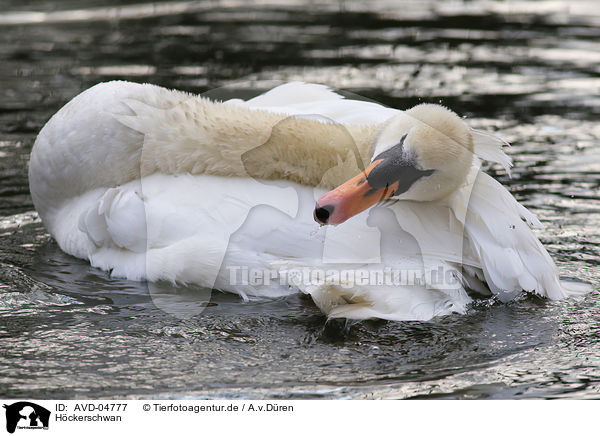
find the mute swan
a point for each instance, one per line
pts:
(153, 184)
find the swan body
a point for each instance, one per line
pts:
(160, 185)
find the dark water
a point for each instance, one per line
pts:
(528, 70)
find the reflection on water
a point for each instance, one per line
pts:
(528, 70)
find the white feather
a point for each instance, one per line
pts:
(489, 147)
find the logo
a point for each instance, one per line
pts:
(26, 415)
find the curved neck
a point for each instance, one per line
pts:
(199, 136)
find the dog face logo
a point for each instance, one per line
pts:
(26, 415)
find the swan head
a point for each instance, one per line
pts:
(422, 154)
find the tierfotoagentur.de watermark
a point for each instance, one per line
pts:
(344, 277)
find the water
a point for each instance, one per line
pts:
(528, 70)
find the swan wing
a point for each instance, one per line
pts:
(173, 228)
(498, 233)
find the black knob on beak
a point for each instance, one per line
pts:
(322, 213)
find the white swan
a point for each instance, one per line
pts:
(153, 184)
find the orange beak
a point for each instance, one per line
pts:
(351, 198)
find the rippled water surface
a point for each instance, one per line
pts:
(527, 70)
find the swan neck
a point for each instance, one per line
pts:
(205, 137)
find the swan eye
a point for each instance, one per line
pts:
(395, 166)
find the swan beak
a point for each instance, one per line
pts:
(351, 198)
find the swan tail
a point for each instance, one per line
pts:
(294, 93)
(299, 98)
